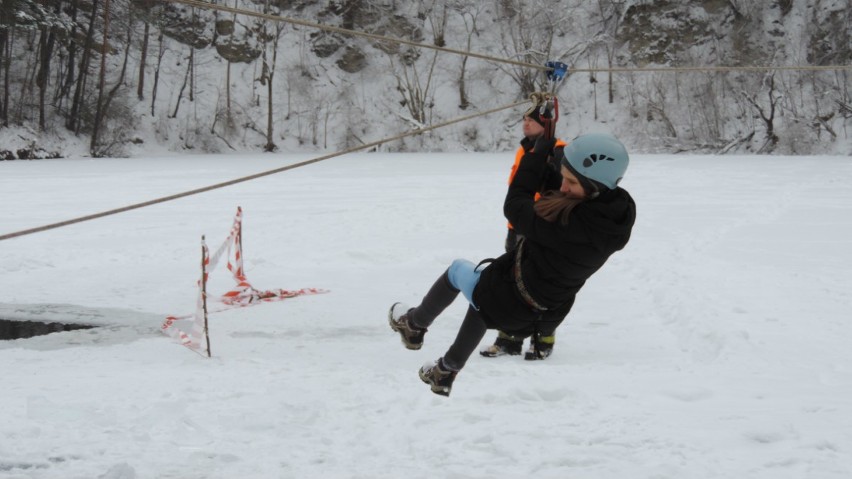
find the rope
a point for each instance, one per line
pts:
(164, 199)
(713, 69)
(371, 36)
(382, 38)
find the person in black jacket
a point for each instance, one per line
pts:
(568, 235)
(507, 343)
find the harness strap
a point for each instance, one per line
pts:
(519, 281)
(485, 261)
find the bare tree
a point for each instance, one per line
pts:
(437, 15)
(64, 90)
(47, 41)
(189, 76)
(186, 80)
(766, 111)
(469, 14)
(658, 106)
(5, 59)
(270, 37)
(415, 88)
(611, 13)
(527, 33)
(74, 122)
(161, 51)
(6, 56)
(99, 110)
(593, 80)
(119, 138)
(229, 114)
(143, 58)
(709, 108)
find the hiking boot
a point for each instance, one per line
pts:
(503, 345)
(400, 321)
(540, 349)
(438, 377)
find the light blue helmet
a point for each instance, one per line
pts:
(597, 156)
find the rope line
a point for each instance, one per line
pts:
(164, 199)
(371, 36)
(382, 38)
(714, 69)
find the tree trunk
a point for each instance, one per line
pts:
(463, 101)
(160, 52)
(182, 89)
(228, 90)
(5, 59)
(111, 95)
(610, 87)
(46, 42)
(65, 88)
(191, 73)
(74, 122)
(6, 55)
(99, 113)
(270, 140)
(143, 57)
(351, 9)
(192, 65)
(267, 76)
(42, 75)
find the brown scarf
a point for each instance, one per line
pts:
(554, 205)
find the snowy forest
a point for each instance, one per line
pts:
(121, 77)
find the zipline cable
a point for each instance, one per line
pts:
(164, 199)
(382, 38)
(717, 69)
(329, 28)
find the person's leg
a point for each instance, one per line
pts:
(470, 334)
(412, 323)
(541, 346)
(440, 375)
(464, 276)
(505, 343)
(437, 299)
(542, 343)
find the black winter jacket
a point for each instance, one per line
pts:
(557, 258)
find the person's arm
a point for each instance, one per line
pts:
(519, 204)
(552, 177)
(520, 199)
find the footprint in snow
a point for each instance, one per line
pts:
(689, 394)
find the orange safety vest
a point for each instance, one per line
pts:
(520, 154)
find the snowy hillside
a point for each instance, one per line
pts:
(181, 78)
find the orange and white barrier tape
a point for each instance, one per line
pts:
(244, 294)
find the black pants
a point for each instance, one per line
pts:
(472, 329)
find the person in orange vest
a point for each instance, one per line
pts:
(533, 127)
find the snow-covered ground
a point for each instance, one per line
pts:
(716, 345)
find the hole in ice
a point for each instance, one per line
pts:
(12, 329)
